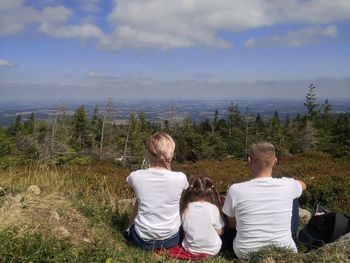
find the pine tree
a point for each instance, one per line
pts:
(188, 145)
(324, 130)
(236, 138)
(29, 125)
(276, 135)
(340, 140)
(257, 129)
(135, 145)
(17, 126)
(311, 103)
(6, 145)
(234, 118)
(309, 136)
(80, 126)
(61, 132)
(310, 130)
(215, 120)
(326, 115)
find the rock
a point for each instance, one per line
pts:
(62, 231)
(34, 190)
(86, 240)
(304, 215)
(19, 198)
(345, 237)
(55, 215)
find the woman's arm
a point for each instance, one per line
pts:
(133, 213)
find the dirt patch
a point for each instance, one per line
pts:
(50, 214)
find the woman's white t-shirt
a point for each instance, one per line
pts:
(158, 193)
(200, 222)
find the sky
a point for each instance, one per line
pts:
(164, 49)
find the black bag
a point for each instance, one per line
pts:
(324, 227)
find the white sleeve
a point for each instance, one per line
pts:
(297, 189)
(218, 222)
(185, 182)
(129, 179)
(294, 186)
(229, 206)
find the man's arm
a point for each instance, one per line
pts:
(303, 185)
(231, 222)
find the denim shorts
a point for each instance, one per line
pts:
(151, 245)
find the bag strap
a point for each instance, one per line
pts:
(340, 226)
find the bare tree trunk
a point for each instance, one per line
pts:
(246, 138)
(126, 144)
(80, 141)
(102, 134)
(53, 133)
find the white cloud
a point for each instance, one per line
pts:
(184, 23)
(250, 43)
(90, 6)
(305, 36)
(84, 31)
(168, 24)
(7, 64)
(55, 14)
(15, 16)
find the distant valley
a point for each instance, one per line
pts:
(160, 110)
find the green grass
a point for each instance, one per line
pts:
(92, 191)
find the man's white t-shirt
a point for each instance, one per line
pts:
(158, 193)
(200, 222)
(263, 211)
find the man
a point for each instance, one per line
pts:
(261, 209)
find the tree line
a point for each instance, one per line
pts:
(101, 137)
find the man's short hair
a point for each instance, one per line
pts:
(263, 155)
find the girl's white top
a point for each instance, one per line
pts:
(200, 222)
(158, 192)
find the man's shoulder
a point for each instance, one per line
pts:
(286, 180)
(240, 186)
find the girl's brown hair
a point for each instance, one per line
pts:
(201, 188)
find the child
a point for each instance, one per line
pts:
(155, 220)
(201, 219)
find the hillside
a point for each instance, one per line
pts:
(77, 212)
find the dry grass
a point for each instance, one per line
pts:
(77, 217)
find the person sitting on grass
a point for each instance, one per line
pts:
(201, 220)
(261, 209)
(155, 220)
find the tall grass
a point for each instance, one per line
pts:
(95, 189)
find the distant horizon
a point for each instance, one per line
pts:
(134, 90)
(163, 100)
(156, 49)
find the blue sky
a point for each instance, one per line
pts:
(94, 49)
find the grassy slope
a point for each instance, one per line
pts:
(94, 190)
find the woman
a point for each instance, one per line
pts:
(155, 220)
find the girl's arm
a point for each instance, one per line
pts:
(220, 231)
(133, 213)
